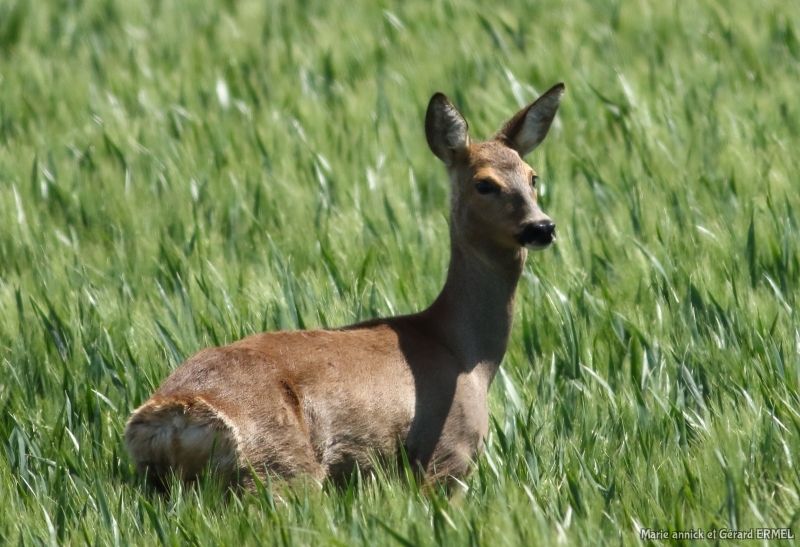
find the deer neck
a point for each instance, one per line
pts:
(474, 312)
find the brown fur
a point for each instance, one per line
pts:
(321, 402)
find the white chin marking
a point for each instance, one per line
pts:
(537, 246)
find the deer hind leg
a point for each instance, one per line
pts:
(276, 441)
(185, 436)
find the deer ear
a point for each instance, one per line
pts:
(445, 129)
(528, 128)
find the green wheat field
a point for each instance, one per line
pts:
(180, 174)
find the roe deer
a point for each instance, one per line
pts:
(322, 402)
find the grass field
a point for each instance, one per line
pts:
(179, 174)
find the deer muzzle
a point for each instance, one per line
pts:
(537, 235)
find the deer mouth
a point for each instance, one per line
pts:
(539, 246)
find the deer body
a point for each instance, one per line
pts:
(322, 402)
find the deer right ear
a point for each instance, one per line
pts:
(528, 128)
(445, 129)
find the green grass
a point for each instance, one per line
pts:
(175, 175)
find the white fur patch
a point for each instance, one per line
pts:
(183, 437)
(539, 246)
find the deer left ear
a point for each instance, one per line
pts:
(445, 129)
(528, 128)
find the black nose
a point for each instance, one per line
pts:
(540, 233)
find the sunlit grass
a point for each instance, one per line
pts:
(175, 175)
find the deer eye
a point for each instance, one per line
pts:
(486, 187)
(534, 178)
